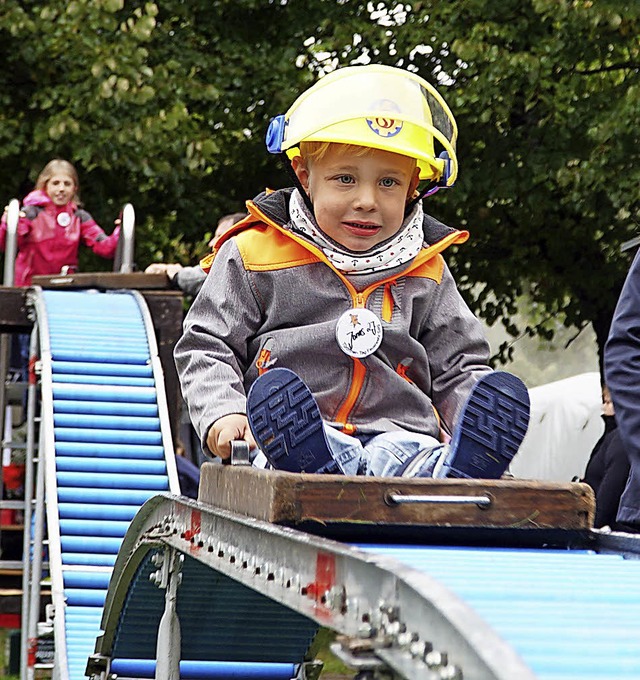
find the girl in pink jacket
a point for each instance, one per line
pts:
(52, 225)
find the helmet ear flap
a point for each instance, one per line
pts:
(275, 134)
(447, 169)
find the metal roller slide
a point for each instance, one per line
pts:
(104, 448)
(414, 612)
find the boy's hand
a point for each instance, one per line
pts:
(227, 429)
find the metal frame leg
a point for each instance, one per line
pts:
(169, 576)
(28, 501)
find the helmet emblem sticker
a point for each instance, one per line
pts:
(385, 126)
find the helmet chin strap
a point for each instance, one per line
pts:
(430, 189)
(298, 184)
(434, 184)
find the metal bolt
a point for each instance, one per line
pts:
(436, 659)
(365, 631)
(451, 672)
(395, 628)
(405, 639)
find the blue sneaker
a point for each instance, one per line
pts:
(285, 422)
(490, 429)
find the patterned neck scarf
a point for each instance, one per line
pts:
(400, 248)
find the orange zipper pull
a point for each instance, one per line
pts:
(403, 367)
(387, 301)
(264, 361)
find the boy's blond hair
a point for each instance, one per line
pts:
(315, 151)
(59, 166)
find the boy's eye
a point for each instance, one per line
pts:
(388, 182)
(345, 179)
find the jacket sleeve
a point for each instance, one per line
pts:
(190, 279)
(24, 227)
(457, 350)
(211, 356)
(94, 237)
(622, 362)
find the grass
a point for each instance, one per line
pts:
(4, 660)
(320, 650)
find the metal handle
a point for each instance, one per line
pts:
(124, 260)
(396, 498)
(13, 215)
(239, 454)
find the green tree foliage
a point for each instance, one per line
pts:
(166, 105)
(547, 96)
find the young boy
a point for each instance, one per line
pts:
(330, 332)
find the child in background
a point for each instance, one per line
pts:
(50, 228)
(52, 225)
(190, 279)
(330, 332)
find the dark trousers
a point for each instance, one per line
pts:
(607, 474)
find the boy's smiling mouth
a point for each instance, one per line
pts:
(362, 227)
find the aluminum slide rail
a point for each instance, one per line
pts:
(104, 448)
(250, 590)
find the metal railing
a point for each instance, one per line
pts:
(123, 261)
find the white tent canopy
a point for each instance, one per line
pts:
(565, 425)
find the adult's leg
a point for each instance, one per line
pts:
(607, 473)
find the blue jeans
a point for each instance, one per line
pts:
(378, 455)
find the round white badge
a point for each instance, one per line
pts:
(64, 219)
(359, 332)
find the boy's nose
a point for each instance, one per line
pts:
(365, 198)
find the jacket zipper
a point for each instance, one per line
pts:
(359, 300)
(387, 301)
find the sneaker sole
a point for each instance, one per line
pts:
(492, 426)
(285, 421)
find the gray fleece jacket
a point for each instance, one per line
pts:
(272, 298)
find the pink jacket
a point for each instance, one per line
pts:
(49, 237)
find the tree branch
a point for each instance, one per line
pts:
(613, 67)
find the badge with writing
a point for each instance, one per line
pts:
(64, 219)
(359, 332)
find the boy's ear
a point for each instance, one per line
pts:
(413, 184)
(302, 173)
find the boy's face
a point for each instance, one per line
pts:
(359, 201)
(61, 188)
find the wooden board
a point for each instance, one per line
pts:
(104, 280)
(14, 314)
(292, 499)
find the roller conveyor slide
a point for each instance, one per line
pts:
(106, 448)
(146, 584)
(257, 591)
